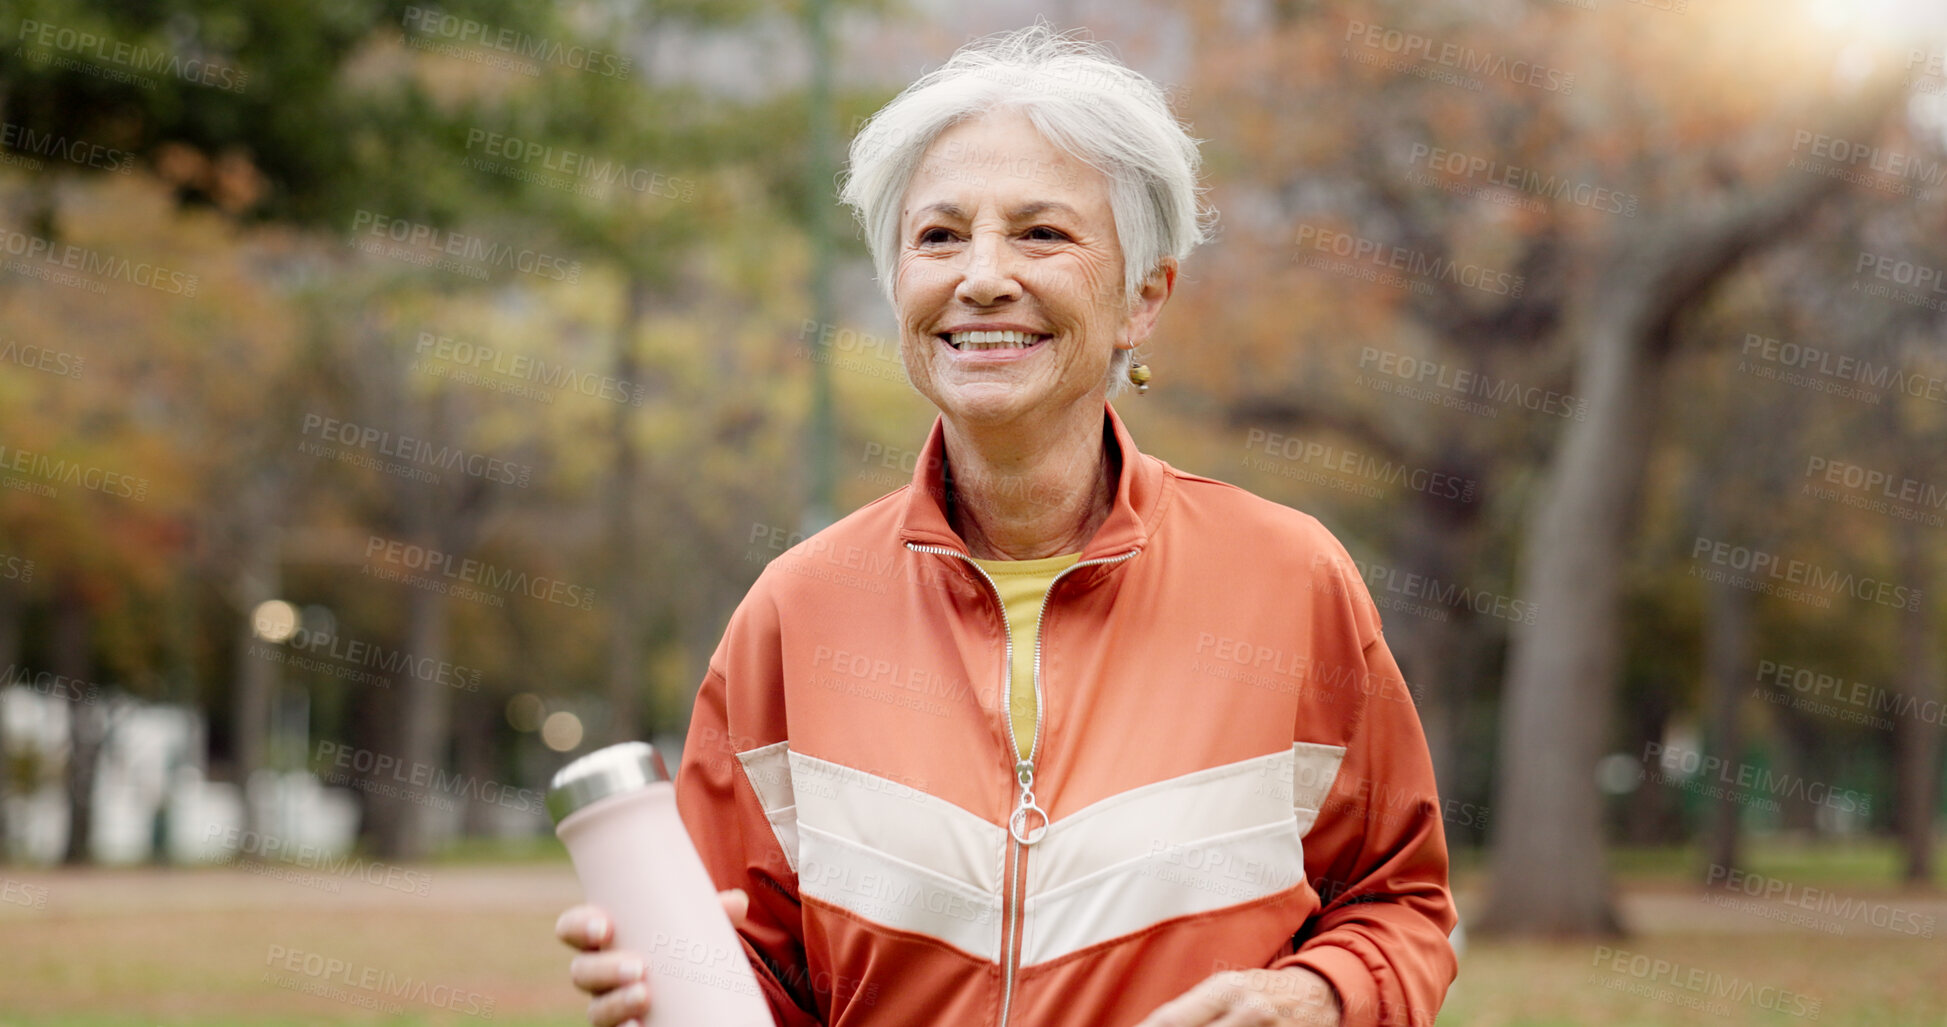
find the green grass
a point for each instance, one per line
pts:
(151, 947)
(1870, 864)
(1863, 981)
(539, 849)
(1865, 864)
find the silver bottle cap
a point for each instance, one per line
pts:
(619, 768)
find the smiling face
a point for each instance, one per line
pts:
(1009, 279)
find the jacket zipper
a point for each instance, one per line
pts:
(1011, 893)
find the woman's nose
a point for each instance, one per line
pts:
(988, 276)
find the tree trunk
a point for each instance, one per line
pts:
(428, 714)
(10, 661)
(259, 579)
(473, 754)
(71, 656)
(374, 729)
(401, 801)
(1425, 655)
(1650, 816)
(1798, 752)
(1727, 664)
(1434, 544)
(410, 724)
(1547, 874)
(1916, 739)
(626, 586)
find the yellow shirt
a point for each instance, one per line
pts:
(1023, 584)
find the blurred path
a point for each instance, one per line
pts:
(121, 892)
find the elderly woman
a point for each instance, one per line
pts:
(1056, 734)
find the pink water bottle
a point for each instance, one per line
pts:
(615, 810)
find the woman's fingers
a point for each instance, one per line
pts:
(619, 981)
(599, 973)
(736, 905)
(586, 928)
(620, 1006)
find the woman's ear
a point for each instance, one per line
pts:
(1150, 297)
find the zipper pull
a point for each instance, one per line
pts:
(1017, 825)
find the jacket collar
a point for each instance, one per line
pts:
(1138, 495)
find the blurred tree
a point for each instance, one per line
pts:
(247, 107)
(1587, 262)
(1548, 868)
(330, 116)
(1913, 447)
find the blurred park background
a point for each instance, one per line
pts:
(395, 400)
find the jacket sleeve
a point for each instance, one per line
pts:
(734, 794)
(1377, 855)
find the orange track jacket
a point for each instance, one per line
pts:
(1227, 773)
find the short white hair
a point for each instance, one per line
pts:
(1082, 100)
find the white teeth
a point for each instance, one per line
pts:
(992, 340)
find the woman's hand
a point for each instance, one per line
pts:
(618, 980)
(1291, 997)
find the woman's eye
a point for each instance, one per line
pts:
(933, 235)
(1042, 233)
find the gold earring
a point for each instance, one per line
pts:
(1139, 377)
